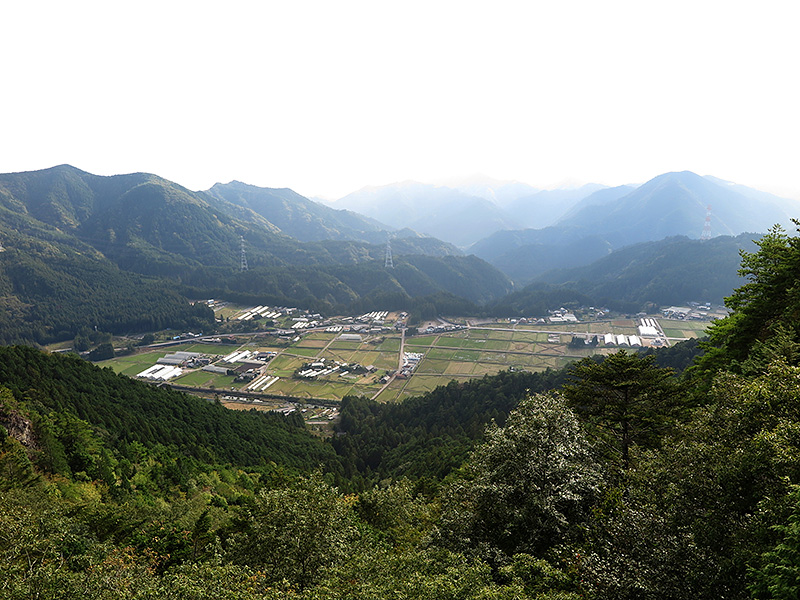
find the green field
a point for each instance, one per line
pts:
(458, 355)
(133, 364)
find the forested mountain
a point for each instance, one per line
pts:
(673, 204)
(535, 252)
(117, 252)
(671, 271)
(644, 276)
(299, 217)
(126, 412)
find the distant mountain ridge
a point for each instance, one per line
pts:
(643, 276)
(672, 204)
(299, 217)
(441, 212)
(466, 212)
(676, 204)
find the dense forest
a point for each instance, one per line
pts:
(130, 253)
(629, 476)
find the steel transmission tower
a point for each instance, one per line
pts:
(706, 235)
(244, 254)
(389, 264)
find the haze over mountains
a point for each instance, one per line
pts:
(673, 204)
(669, 204)
(76, 245)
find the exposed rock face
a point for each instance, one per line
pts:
(19, 428)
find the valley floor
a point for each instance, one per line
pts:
(313, 368)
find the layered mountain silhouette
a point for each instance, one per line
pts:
(673, 204)
(442, 212)
(301, 218)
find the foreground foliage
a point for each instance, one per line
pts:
(628, 482)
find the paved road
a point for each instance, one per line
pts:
(399, 364)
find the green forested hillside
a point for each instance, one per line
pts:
(118, 252)
(51, 298)
(299, 217)
(670, 271)
(125, 412)
(640, 277)
(429, 436)
(618, 478)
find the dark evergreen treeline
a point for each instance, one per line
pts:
(429, 436)
(666, 272)
(127, 411)
(536, 299)
(641, 277)
(52, 298)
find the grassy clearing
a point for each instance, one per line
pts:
(132, 364)
(440, 354)
(391, 344)
(344, 345)
(307, 343)
(432, 366)
(419, 384)
(199, 379)
(307, 352)
(285, 366)
(423, 340)
(455, 368)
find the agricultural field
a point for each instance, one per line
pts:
(459, 355)
(683, 329)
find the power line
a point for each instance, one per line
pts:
(706, 235)
(388, 263)
(244, 254)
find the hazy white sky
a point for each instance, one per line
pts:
(326, 97)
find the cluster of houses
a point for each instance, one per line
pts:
(378, 316)
(261, 383)
(648, 328)
(303, 323)
(321, 368)
(247, 355)
(443, 328)
(191, 360)
(694, 312)
(633, 341)
(171, 365)
(410, 363)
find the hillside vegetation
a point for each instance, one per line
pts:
(126, 254)
(618, 477)
(644, 276)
